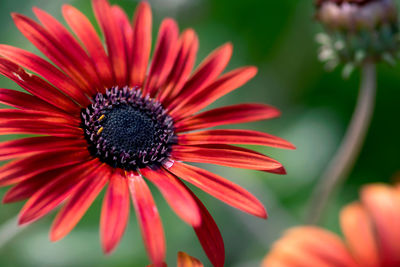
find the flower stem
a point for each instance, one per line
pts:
(345, 157)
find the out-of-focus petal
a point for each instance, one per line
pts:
(185, 260)
(358, 230)
(142, 24)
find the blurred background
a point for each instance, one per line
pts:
(278, 38)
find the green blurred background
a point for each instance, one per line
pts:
(277, 37)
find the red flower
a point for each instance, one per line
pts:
(106, 118)
(371, 229)
(185, 260)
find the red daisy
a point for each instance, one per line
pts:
(104, 117)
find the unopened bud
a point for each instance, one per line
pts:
(358, 30)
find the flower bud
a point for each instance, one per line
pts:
(358, 31)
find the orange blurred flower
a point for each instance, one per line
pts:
(185, 260)
(371, 236)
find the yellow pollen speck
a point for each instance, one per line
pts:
(100, 130)
(101, 117)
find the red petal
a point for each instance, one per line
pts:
(163, 58)
(176, 195)
(209, 236)
(148, 217)
(114, 40)
(9, 115)
(184, 62)
(71, 49)
(184, 260)
(29, 187)
(383, 204)
(115, 212)
(358, 229)
(142, 24)
(25, 101)
(51, 195)
(22, 169)
(217, 89)
(243, 137)
(208, 71)
(79, 202)
(27, 126)
(36, 85)
(54, 50)
(226, 156)
(227, 115)
(220, 188)
(127, 32)
(86, 33)
(26, 146)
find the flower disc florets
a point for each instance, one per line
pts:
(127, 130)
(358, 30)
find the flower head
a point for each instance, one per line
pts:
(109, 117)
(358, 31)
(371, 232)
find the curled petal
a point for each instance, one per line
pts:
(220, 188)
(184, 260)
(176, 195)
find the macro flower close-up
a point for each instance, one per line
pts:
(119, 118)
(370, 229)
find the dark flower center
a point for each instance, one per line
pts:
(128, 131)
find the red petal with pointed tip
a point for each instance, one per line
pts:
(23, 147)
(25, 101)
(176, 195)
(243, 137)
(79, 202)
(208, 71)
(142, 24)
(115, 212)
(217, 89)
(184, 62)
(227, 115)
(114, 40)
(29, 187)
(383, 204)
(148, 217)
(86, 33)
(209, 236)
(220, 188)
(163, 58)
(35, 85)
(54, 50)
(72, 49)
(22, 169)
(51, 195)
(226, 156)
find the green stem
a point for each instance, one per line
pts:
(9, 230)
(346, 156)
